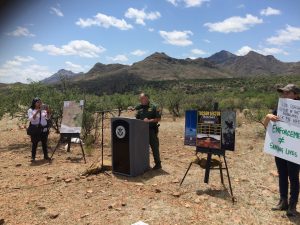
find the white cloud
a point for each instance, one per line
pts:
(207, 41)
(234, 24)
(150, 29)
(105, 21)
(244, 50)
(178, 38)
(118, 58)
(188, 3)
(270, 11)
(272, 51)
(138, 52)
(173, 2)
(287, 35)
(21, 31)
(140, 15)
(80, 48)
(17, 61)
(194, 3)
(35, 72)
(19, 70)
(24, 59)
(56, 11)
(76, 68)
(196, 51)
(264, 51)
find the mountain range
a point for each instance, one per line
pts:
(160, 66)
(61, 74)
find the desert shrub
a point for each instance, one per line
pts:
(173, 101)
(89, 140)
(255, 115)
(231, 103)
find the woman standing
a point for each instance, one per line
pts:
(38, 117)
(287, 171)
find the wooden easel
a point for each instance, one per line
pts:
(66, 137)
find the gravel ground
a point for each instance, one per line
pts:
(56, 193)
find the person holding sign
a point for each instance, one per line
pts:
(288, 171)
(38, 115)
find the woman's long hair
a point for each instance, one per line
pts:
(35, 100)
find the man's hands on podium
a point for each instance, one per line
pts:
(155, 120)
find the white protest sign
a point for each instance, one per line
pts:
(289, 111)
(283, 140)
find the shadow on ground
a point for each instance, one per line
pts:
(16, 147)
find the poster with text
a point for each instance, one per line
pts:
(228, 119)
(289, 111)
(209, 130)
(190, 133)
(283, 140)
(72, 117)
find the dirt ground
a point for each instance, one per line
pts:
(55, 193)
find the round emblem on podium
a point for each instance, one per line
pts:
(120, 132)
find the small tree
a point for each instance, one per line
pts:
(255, 115)
(121, 102)
(173, 100)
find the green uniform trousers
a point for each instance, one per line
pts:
(154, 144)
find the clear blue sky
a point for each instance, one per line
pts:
(37, 38)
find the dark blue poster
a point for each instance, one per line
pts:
(228, 130)
(190, 127)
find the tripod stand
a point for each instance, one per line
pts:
(209, 167)
(68, 137)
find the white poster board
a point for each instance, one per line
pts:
(283, 140)
(283, 137)
(289, 111)
(72, 117)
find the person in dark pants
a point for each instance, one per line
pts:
(150, 114)
(288, 171)
(38, 117)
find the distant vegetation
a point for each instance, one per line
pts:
(255, 94)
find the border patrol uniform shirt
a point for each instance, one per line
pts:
(149, 111)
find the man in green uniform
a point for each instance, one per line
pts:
(150, 114)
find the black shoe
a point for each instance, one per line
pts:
(292, 211)
(47, 158)
(281, 206)
(157, 167)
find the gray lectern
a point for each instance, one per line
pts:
(130, 146)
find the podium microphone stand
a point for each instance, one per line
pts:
(103, 167)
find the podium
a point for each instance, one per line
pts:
(130, 146)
